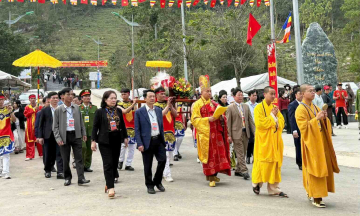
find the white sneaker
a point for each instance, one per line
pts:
(168, 179)
(7, 176)
(197, 160)
(27, 159)
(338, 127)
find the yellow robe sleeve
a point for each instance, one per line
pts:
(281, 121)
(202, 126)
(313, 152)
(262, 122)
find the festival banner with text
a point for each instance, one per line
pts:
(84, 64)
(272, 69)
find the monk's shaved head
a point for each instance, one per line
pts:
(267, 89)
(304, 87)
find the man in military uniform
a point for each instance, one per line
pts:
(87, 112)
(128, 108)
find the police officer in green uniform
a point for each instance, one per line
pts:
(88, 112)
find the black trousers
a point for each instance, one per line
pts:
(250, 148)
(49, 153)
(287, 122)
(110, 156)
(297, 142)
(156, 149)
(76, 144)
(341, 112)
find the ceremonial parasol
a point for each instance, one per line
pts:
(37, 59)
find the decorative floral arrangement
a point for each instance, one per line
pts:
(182, 88)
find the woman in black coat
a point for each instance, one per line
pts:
(109, 132)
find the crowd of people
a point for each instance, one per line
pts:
(66, 122)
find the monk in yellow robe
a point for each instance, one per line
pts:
(211, 135)
(318, 155)
(269, 146)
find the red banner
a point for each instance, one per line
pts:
(271, 49)
(84, 63)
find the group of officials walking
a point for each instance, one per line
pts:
(116, 126)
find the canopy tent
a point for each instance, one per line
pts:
(10, 80)
(259, 81)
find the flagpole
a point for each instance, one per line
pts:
(299, 60)
(184, 40)
(133, 56)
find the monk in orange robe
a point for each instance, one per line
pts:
(211, 135)
(318, 155)
(30, 114)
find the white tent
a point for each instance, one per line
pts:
(10, 80)
(353, 86)
(25, 74)
(259, 81)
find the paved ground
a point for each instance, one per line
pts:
(29, 193)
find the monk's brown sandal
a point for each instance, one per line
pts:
(256, 190)
(282, 195)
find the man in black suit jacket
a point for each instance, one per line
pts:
(149, 135)
(47, 139)
(294, 128)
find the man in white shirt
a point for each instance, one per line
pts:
(318, 101)
(252, 104)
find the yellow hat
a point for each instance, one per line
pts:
(204, 81)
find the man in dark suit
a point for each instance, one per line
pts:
(149, 134)
(294, 128)
(46, 103)
(47, 139)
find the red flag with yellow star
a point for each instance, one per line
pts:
(162, 3)
(229, 2)
(253, 28)
(179, 3)
(258, 3)
(124, 3)
(196, 2)
(213, 3)
(243, 2)
(84, 2)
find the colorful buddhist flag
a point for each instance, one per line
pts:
(188, 3)
(72, 2)
(131, 62)
(236, 3)
(162, 3)
(267, 2)
(251, 3)
(30, 1)
(93, 2)
(212, 3)
(253, 28)
(287, 28)
(196, 2)
(54, 1)
(134, 3)
(222, 2)
(124, 3)
(206, 2)
(113, 2)
(10, 0)
(171, 3)
(152, 3)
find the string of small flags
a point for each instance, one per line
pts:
(135, 3)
